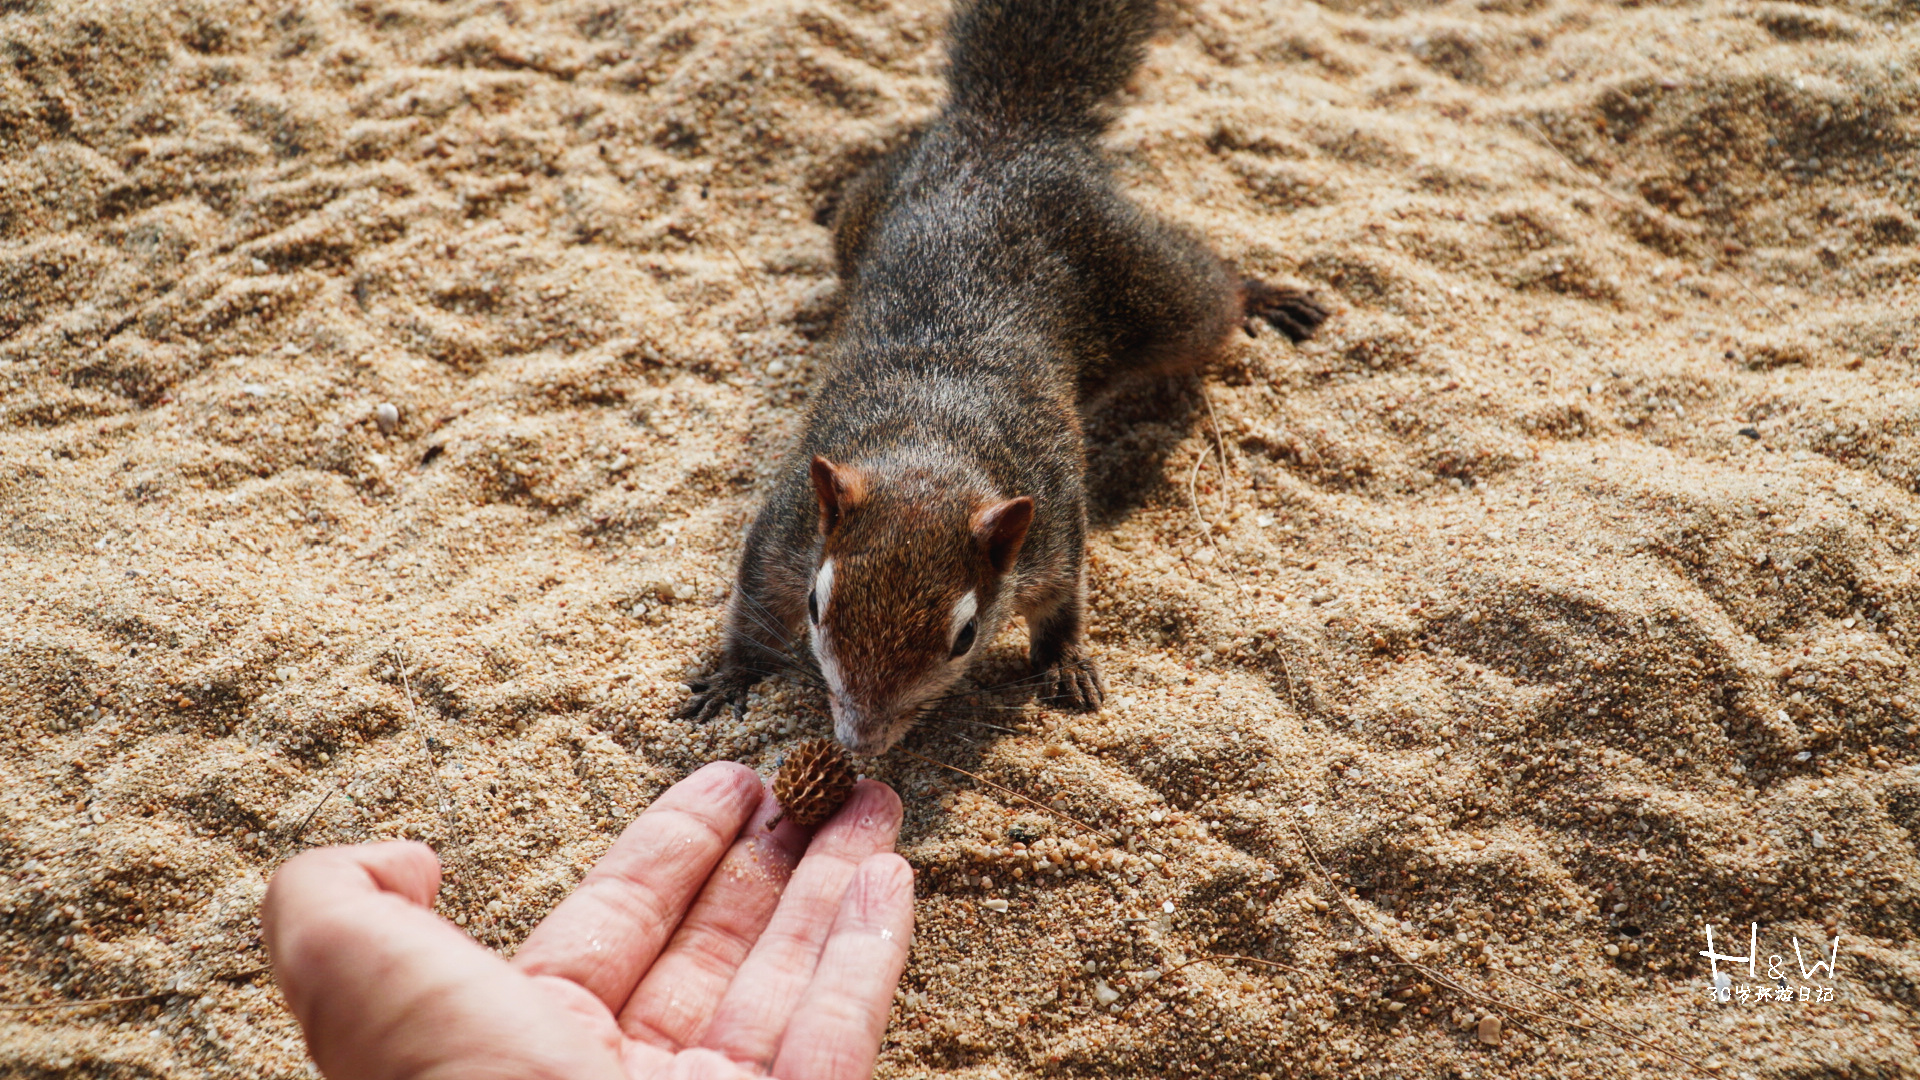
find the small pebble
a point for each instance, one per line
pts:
(996, 905)
(387, 416)
(1489, 1030)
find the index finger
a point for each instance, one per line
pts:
(606, 935)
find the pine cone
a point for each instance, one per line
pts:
(815, 780)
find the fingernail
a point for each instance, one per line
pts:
(872, 806)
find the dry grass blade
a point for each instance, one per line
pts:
(426, 749)
(1193, 498)
(1610, 1025)
(766, 315)
(1206, 527)
(1603, 189)
(1405, 961)
(1234, 958)
(130, 999)
(1219, 443)
(294, 840)
(1004, 790)
(1206, 533)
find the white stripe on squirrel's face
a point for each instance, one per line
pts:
(817, 636)
(822, 589)
(963, 610)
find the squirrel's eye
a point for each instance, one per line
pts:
(813, 606)
(963, 642)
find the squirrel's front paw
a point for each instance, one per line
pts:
(1293, 312)
(717, 691)
(1077, 684)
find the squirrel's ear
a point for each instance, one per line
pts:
(840, 489)
(1000, 529)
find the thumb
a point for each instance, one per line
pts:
(406, 868)
(386, 990)
(317, 899)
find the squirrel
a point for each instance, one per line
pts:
(996, 283)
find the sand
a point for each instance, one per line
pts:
(1559, 600)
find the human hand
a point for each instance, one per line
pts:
(701, 946)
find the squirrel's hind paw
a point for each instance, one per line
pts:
(1293, 312)
(1077, 684)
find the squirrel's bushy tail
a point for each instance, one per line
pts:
(1045, 63)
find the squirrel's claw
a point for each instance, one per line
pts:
(1291, 311)
(714, 693)
(1078, 685)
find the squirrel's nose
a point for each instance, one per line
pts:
(858, 729)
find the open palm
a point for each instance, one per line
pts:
(702, 945)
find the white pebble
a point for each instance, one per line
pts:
(387, 416)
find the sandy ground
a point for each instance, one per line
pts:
(1560, 600)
